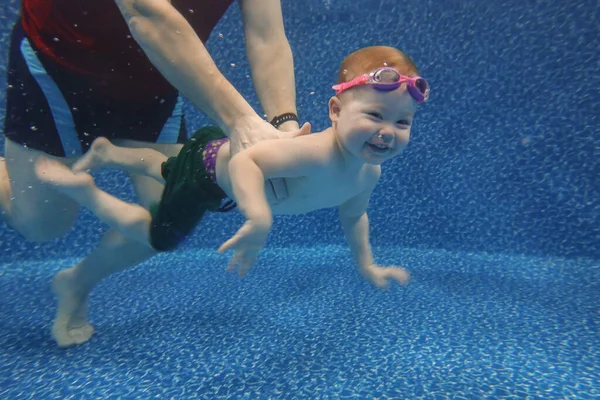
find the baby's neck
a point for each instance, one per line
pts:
(351, 162)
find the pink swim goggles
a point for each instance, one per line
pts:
(386, 79)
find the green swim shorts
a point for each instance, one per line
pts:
(189, 192)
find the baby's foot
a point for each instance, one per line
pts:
(96, 157)
(61, 177)
(71, 326)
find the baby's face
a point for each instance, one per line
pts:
(374, 125)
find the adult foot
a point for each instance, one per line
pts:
(96, 157)
(5, 191)
(70, 327)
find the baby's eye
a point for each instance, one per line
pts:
(375, 114)
(403, 122)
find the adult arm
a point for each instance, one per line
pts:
(177, 52)
(175, 49)
(270, 57)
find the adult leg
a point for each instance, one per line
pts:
(35, 210)
(113, 254)
(4, 191)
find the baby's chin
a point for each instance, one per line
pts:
(377, 156)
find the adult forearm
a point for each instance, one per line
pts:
(272, 66)
(177, 52)
(356, 230)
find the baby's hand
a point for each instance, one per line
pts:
(246, 244)
(380, 276)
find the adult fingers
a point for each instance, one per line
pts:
(304, 130)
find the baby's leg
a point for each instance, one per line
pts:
(132, 220)
(141, 161)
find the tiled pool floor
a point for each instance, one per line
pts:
(305, 325)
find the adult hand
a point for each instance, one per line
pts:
(251, 130)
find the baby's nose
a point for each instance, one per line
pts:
(384, 137)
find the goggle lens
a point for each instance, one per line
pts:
(386, 76)
(422, 85)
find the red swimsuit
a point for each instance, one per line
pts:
(92, 38)
(75, 73)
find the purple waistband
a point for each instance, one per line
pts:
(209, 156)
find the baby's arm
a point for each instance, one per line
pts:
(355, 222)
(247, 181)
(248, 171)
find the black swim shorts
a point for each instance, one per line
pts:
(189, 193)
(61, 112)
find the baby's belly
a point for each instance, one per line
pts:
(302, 196)
(278, 206)
(307, 199)
(293, 206)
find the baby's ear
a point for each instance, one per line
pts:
(335, 106)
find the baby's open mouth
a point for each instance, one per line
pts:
(378, 148)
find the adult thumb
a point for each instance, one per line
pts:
(304, 130)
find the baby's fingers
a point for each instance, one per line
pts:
(233, 262)
(228, 245)
(242, 262)
(246, 262)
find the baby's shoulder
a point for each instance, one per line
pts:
(368, 177)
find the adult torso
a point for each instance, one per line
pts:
(91, 39)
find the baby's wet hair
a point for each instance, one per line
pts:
(367, 59)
